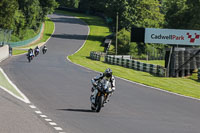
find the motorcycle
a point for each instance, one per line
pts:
(30, 57)
(103, 89)
(44, 50)
(36, 52)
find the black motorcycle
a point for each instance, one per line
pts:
(44, 50)
(30, 57)
(36, 52)
(103, 89)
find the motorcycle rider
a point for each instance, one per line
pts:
(30, 52)
(44, 49)
(108, 75)
(37, 50)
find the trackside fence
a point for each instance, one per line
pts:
(129, 63)
(96, 55)
(25, 42)
(126, 61)
(199, 74)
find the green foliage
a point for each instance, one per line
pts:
(148, 14)
(23, 16)
(7, 13)
(48, 7)
(182, 86)
(182, 14)
(69, 3)
(123, 38)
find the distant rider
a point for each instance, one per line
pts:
(30, 52)
(37, 50)
(108, 75)
(44, 49)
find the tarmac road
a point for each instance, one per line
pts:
(62, 89)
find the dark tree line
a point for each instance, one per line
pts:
(176, 14)
(20, 15)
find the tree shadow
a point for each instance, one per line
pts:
(77, 37)
(77, 110)
(69, 36)
(70, 20)
(74, 20)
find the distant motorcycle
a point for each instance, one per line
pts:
(44, 50)
(30, 57)
(36, 52)
(103, 89)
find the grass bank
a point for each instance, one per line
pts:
(4, 83)
(48, 30)
(98, 30)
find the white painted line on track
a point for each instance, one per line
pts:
(24, 98)
(43, 116)
(32, 106)
(58, 128)
(48, 120)
(38, 112)
(52, 123)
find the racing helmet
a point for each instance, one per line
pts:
(108, 73)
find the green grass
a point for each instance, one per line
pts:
(18, 52)
(155, 62)
(29, 33)
(4, 83)
(48, 30)
(98, 30)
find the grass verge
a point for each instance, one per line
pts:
(98, 30)
(48, 30)
(155, 62)
(4, 83)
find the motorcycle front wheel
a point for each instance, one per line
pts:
(99, 103)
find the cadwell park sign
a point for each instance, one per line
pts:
(166, 36)
(171, 36)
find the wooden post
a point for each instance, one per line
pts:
(181, 62)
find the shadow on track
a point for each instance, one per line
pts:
(77, 110)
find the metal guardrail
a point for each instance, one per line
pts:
(5, 36)
(128, 63)
(97, 55)
(25, 42)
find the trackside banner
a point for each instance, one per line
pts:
(172, 36)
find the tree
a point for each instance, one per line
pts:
(123, 42)
(31, 11)
(175, 14)
(48, 7)
(8, 9)
(69, 3)
(193, 11)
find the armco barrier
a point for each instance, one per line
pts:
(128, 63)
(4, 52)
(96, 55)
(25, 42)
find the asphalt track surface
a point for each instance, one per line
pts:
(61, 89)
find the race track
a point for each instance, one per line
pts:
(61, 89)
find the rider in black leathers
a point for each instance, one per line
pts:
(107, 74)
